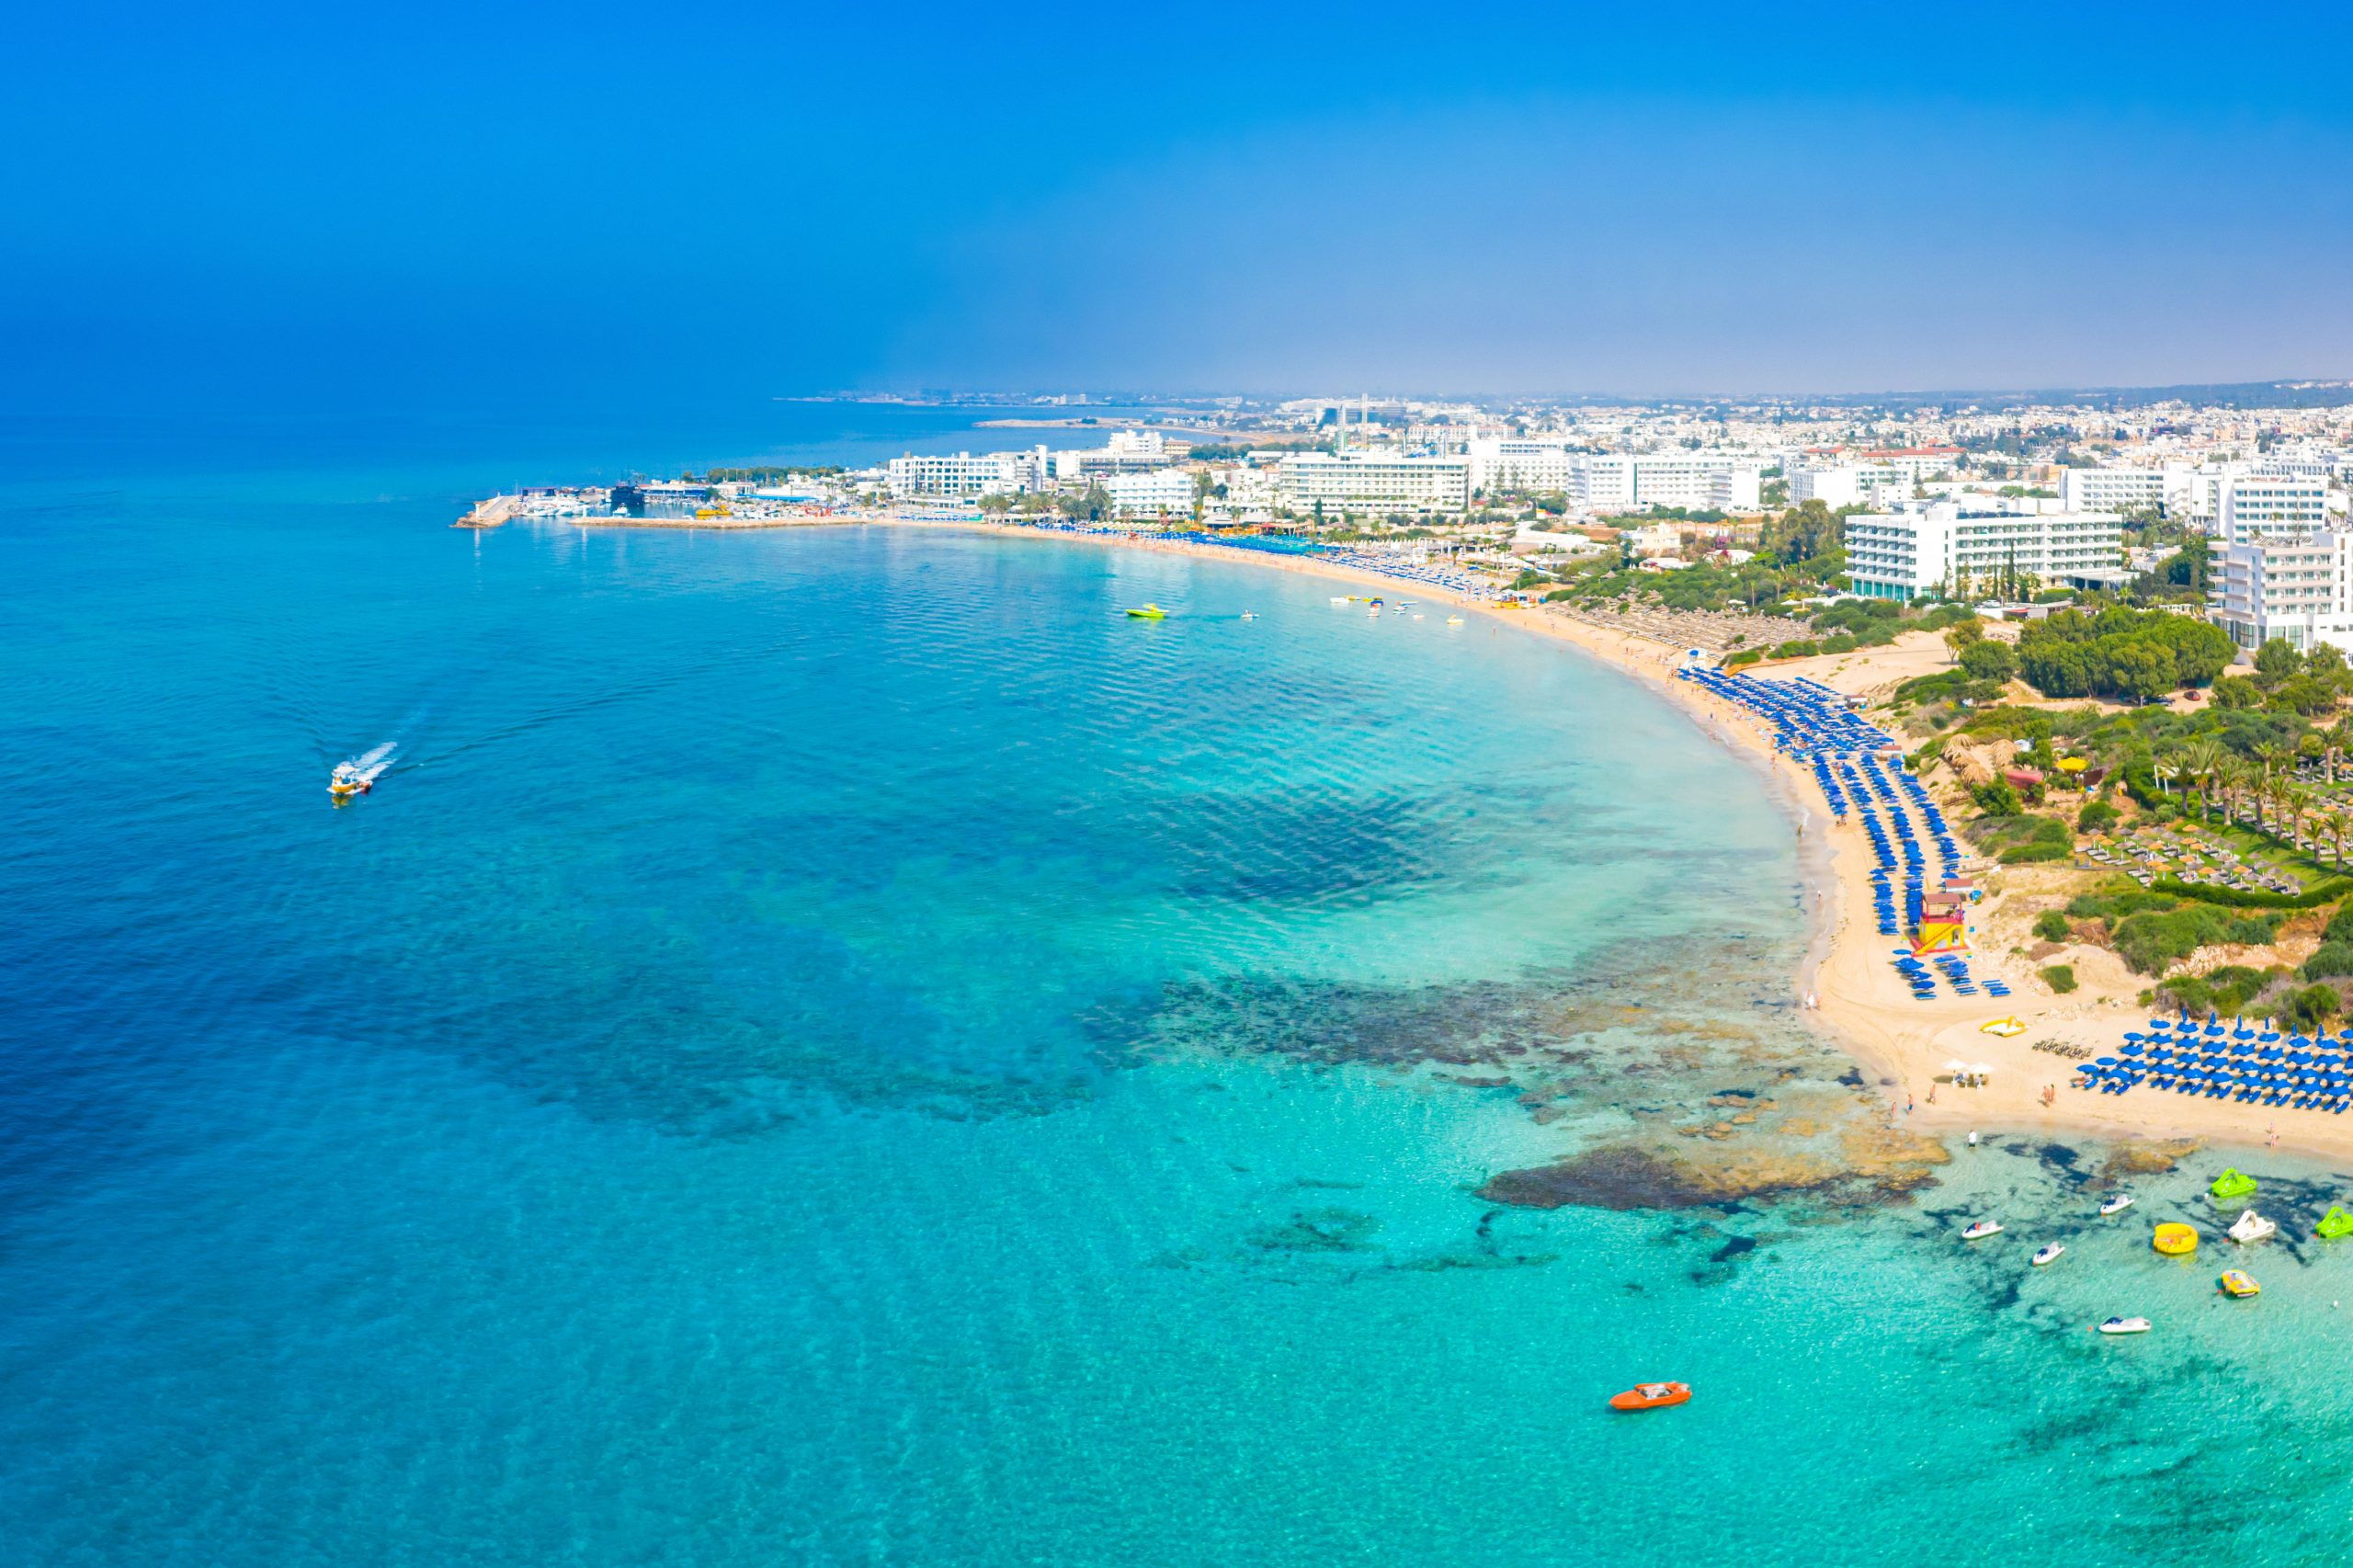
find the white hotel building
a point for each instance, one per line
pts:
(2291, 587)
(1939, 546)
(945, 477)
(1372, 481)
(1163, 493)
(1623, 482)
(2112, 489)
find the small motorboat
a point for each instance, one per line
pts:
(2125, 1325)
(2047, 1254)
(1454, 620)
(1148, 612)
(2238, 1284)
(347, 782)
(1980, 1229)
(1343, 598)
(2174, 1241)
(1249, 615)
(1651, 1396)
(2115, 1205)
(2252, 1227)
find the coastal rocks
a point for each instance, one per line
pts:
(2152, 1157)
(1869, 1165)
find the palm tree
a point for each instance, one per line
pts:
(2230, 776)
(2296, 802)
(2332, 824)
(2202, 759)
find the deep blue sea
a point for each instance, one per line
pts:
(838, 1046)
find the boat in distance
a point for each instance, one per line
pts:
(2115, 1205)
(1981, 1229)
(2048, 1254)
(2125, 1325)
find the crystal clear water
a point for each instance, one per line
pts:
(839, 1046)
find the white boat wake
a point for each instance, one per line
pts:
(369, 766)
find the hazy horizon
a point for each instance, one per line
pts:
(275, 208)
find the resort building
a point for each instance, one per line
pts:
(1372, 481)
(1944, 548)
(1616, 481)
(911, 477)
(1163, 493)
(1535, 466)
(2112, 489)
(1128, 451)
(2261, 506)
(2294, 586)
(1850, 484)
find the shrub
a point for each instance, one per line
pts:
(2151, 942)
(2096, 815)
(1746, 657)
(2330, 959)
(1801, 649)
(2340, 925)
(2189, 992)
(1996, 798)
(2060, 977)
(1844, 642)
(2047, 840)
(1989, 661)
(2255, 898)
(2313, 1006)
(2051, 926)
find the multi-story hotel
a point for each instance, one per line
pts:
(1372, 481)
(1940, 547)
(2294, 586)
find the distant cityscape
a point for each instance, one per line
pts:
(2225, 508)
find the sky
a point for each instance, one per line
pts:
(277, 206)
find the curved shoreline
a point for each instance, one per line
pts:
(1863, 1010)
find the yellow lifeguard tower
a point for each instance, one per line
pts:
(1944, 925)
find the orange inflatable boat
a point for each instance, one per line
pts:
(1651, 1396)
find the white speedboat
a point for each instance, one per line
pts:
(1981, 1229)
(2118, 1204)
(2125, 1325)
(2047, 1254)
(2252, 1227)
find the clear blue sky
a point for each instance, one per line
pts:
(244, 204)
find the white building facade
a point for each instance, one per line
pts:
(1372, 481)
(1163, 493)
(2111, 489)
(2297, 587)
(2264, 505)
(945, 477)
(1941, 547)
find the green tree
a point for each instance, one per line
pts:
(2275, 660)
(2139, 668)
(1987, 660)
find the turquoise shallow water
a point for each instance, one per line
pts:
(838, 1047)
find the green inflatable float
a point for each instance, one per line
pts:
(2230, 1185)
(2336, 1222)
